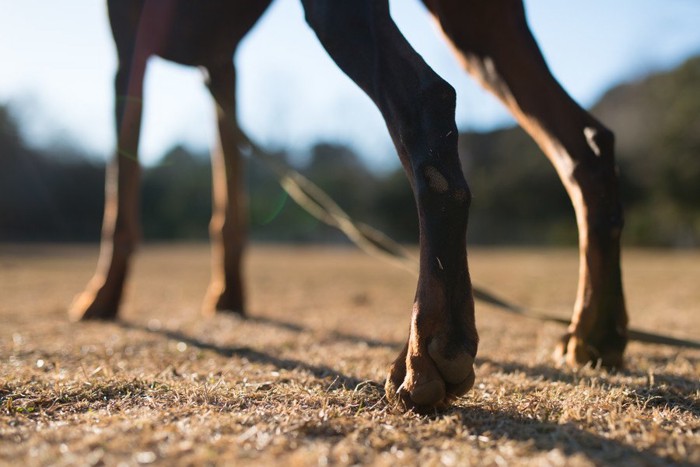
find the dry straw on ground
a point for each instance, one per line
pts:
(300, 382)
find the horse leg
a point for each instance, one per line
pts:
(418, 107)
(120, 230)
(228, 223)
(493, 41)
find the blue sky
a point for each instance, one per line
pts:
(58, 62)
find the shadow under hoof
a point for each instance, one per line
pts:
(231, 311)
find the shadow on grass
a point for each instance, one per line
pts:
(256, 356)
(547, 436)
(336, 335)
(670, 391)
(496, 424)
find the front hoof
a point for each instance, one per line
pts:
(88, 307)
(217, 301)
(576, 352)
(429, 381)
(235, 307)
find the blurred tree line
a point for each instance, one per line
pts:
(56, 194)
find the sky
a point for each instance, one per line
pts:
(59, 61)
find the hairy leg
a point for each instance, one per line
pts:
(418, 107)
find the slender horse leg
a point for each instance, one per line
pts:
(228, 223)
(120, 230)
(418, 107)
(494, 43)
(136, 40)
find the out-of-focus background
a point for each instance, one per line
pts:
(634, 63)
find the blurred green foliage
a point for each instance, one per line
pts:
(57, 194)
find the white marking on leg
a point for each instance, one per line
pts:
(590, 134)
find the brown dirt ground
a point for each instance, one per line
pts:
(300, 382)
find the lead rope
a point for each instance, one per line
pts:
(320, 205)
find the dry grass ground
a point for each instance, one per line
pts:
(300, 382)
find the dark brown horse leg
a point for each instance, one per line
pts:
(120, 230)
(496, 46)
(418, 107)
(228, 223)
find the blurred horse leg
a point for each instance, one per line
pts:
(229, 218)
(228, 226)
(120, 230)
(189, 33)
